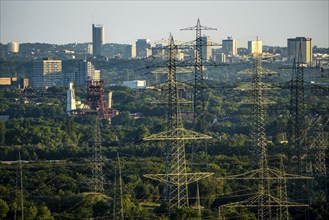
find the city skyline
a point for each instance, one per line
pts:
(63, 22)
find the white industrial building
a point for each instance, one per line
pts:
(135, 84)
(70, 102)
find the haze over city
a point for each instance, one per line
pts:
(62, 22)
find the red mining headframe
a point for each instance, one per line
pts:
(96, 100)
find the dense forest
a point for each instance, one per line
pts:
(55, 150)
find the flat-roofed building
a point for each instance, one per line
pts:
(47, 72)
(135, 84)
(255, 47)
(13, 82)
(130, 51)
(206, 48)
(98, 39)
(84, 71)
(229, 47)
(300, 44)
(143, 48)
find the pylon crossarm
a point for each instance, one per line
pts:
(180, 101)
(201, 28)
(271, 174)
(277, 174)
(247, 87)
(179, 85)
(271, 201)
(254, 174)
(177, 134)
(261, 71)
(171, 178)
(198, 27)
(266, 101)
(164, 69)
(246, 203)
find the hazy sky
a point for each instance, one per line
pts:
(62, 22)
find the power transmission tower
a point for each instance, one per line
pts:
(263, 200)
(198, 201)
(16, 194)
(115, 196)
(199, 86)
(320, 154)
(320, 169)
(21, 184)
(283, 196)
(297, 109)
(20, 167)
(97, 180)
(121, 189)
(175, 136)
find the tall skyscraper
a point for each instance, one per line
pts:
(98, 39)
(300, 43)
(229, 47)
(143, 48)
(255, 47)
(47, 72)
(206, 49)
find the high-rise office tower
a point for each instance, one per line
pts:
(47, 72)
(255, 47)
(206, 48)
(84, 71)
(300, 43)
(130, 51)
(229, 47)
(143, 48)
(98, 39)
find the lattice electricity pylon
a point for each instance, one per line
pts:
(283, 213)
(263, 200)
(257, 101)
(176, 176)
(97, 179)
(199, 87)
(320, 154)
(320, 148)
(297, 109)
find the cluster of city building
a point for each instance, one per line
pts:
(48, 72)
(228, 51)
